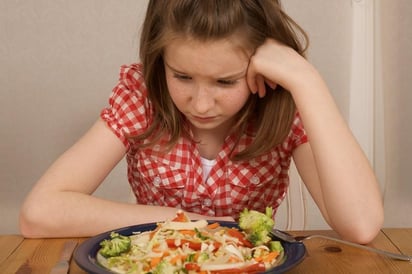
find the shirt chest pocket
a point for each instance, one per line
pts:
(250, 187)
(164, 184)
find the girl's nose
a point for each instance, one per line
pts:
(203, 100)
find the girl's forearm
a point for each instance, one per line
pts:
(349, 188)
(73, 214)
(77, 215)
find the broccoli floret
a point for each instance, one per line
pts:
(203, 256)
(275, 246)
(258, 237)
(114, 246)
(163, 267)
(199, 235)
(257, 225)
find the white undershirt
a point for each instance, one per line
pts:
(207, 166)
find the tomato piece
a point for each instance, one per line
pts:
(217, 245)
(233, 232)
(171, 243)
(192, 266)
(192, 245)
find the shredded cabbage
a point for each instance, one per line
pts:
(192, 247)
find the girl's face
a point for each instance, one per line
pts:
(207, 81)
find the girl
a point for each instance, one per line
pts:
(209, 122)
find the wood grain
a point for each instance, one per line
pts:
(324, 256)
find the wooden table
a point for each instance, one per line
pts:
(19, 255)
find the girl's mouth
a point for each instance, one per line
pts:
(203, 119)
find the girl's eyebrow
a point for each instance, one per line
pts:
(236, 75)
(175, 70)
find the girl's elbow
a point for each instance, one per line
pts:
(25, 225)
(365, 236)
(365, 231)
(31, 223)
(26, 230)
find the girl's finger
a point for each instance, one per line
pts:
(260, 81)
(251, 81)
(271, 84)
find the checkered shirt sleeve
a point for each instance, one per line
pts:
(129, 110)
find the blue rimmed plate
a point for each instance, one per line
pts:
(85, 254)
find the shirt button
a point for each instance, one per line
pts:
(207, 202)
(157, 181)
(255, 180)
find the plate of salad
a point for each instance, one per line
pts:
(181, 245)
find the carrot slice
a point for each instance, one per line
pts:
(270, 257)
(176, 258)
(154, 261)
(181, 217)
(189, 233)
(213, 225)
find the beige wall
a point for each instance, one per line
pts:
(396, 22)
(59, 61)
(328, 24)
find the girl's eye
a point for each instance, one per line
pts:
(226, 82)
(182, 76)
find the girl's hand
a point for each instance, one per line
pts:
(276, 64)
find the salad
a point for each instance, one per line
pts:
(181, 245)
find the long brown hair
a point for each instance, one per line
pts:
(205, 20)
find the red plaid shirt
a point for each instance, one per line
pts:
(175, 179)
